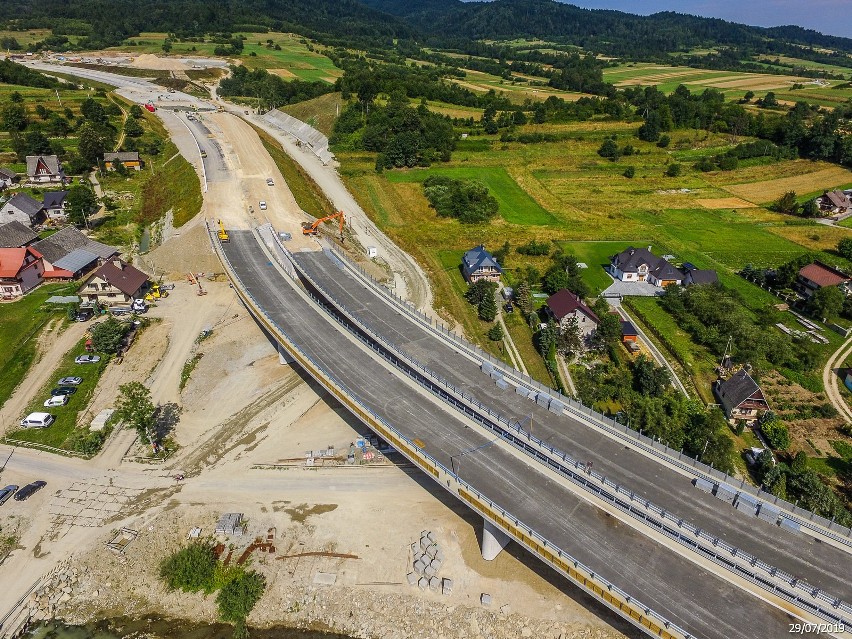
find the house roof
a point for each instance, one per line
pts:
(630, 259)
(16, 234)
(66, 240)
(11, 260)
(125, 278)
(838, 199)
(50, 161)
(26, 204)
(628, 329)
(564, 302)
(54, 199)
(739, 388)
(122, 156)
(7, 173)
(703, 276)
(76, 260)
(663, 270)
(823, 275)
(477, 258)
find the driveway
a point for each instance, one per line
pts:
(636, 289)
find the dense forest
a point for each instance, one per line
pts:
(437, 23)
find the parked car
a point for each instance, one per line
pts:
(203, 154)
(87, 359)
(270, 182)
(56, 400)
(263, 205)
(63, 391)
(70, 381)
(509, 308)
(6, 493)
(84, 315)
(29, 490)
(37, 420)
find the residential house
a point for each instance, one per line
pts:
(817, 275)
(641, 265)
(21, 270)
(130, 160)
(24, 209)
(69, 254)
(16, 235)
(45, 169)
(564, 305)
(834, 203)
(55, 203)
(741, 397)
(115, 282)
(479, 264)
(7, 178)
(696, 276)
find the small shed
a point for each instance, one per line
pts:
(372, 251)
(628, 332)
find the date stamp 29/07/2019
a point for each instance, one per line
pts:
(802, 628)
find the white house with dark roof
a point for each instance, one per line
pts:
(55, 205)
(641, 265)
(115, 282)
(741, 397)
(479, 264)
(564, 305)
(7, 178)
(24, 209)
(44, 169)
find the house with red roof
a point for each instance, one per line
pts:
(21, 270)
(564, 305)
(817, 275)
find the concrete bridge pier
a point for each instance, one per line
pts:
(284, 357)
(493, 540)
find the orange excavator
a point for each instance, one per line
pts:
(313, 228)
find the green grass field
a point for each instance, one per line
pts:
(21, 322)
(57, 434)
(516, 206)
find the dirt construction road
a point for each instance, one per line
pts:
(830, 378)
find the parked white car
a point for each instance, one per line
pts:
(263, 205)
(37, 420)
(56, 400)
(87, 359)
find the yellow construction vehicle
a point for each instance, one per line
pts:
(223, 234)
(313, 228)
(157, 292)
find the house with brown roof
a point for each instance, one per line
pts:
(641, 265)
(564, 305)
(44, 169)
(116, 282)
(740, 397)
(817, 275)
(130, 160)
(21, 270)
(834, 203)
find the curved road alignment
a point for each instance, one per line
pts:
(773, 582)
(819, 527)
(687, 594)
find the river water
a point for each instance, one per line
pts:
(159, 628)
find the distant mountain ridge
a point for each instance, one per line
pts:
(435, 22)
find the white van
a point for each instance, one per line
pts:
(37, 420)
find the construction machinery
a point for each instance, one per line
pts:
(223, 234)
(194, 279)
(313, 228)
(157, 291)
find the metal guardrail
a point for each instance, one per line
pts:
(733, 559)
(613, 597)
(50, 449)
(805, 518)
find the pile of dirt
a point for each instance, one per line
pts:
(187, 252)
(151, 61)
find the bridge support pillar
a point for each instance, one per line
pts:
(284, 357)
(493, 540)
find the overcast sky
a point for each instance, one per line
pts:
(833, 17)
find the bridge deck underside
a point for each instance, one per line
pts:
(687, 595)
